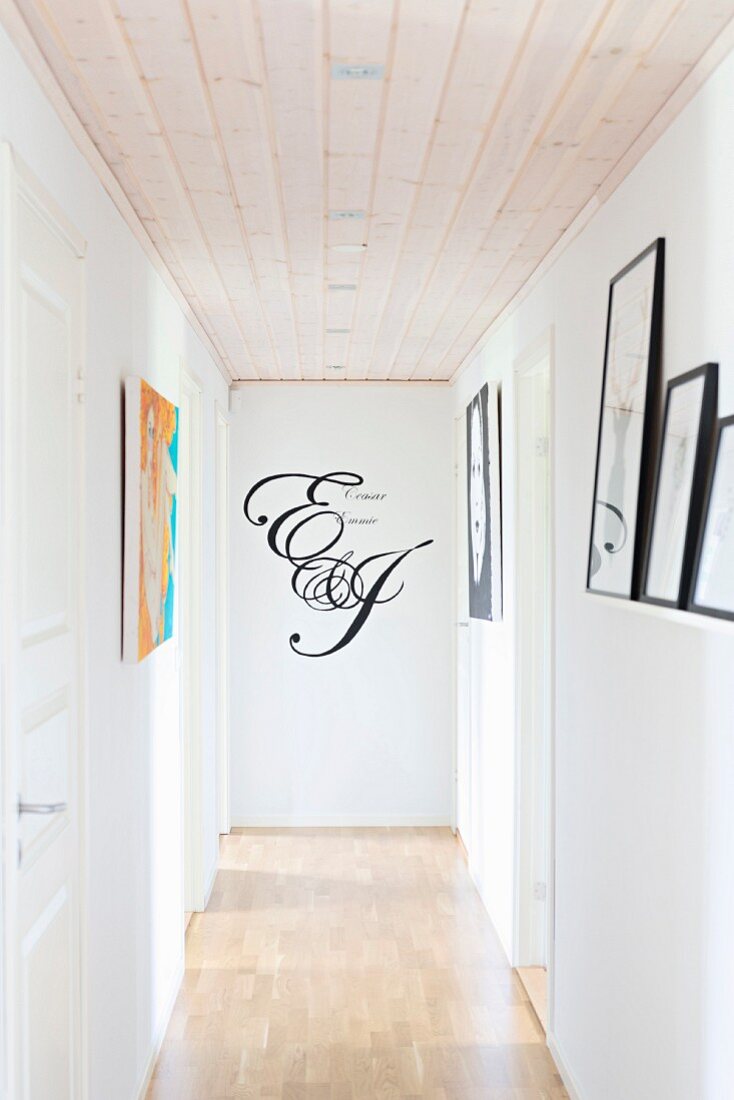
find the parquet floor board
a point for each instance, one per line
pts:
(347, 964)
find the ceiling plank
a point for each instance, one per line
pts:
(163, 55)
(619, 45)
(493, 36)
(552, 196)
(547, 62)
(494, 124)
(358, 34)
(426, 41)
(291, 42)
(250, 220)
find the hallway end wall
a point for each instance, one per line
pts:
(363, 735)
(644, 714)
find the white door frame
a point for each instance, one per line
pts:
(461, 644)
(455, 646)
(16, 180)
(222, 614)
(541, 351)
(190, 577)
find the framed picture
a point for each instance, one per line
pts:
(713, 583)
(151, 464)
(689, 424)
(630, 396)
(483, 505)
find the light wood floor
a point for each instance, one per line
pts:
(535, 980)
(349, 963)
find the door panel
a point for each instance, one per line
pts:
(47, 947)
(45, 755)
(45, 441)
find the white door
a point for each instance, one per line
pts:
(42, 717)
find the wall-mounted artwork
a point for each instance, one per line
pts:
(630, 393)
(151, 463)
(483, 505)
(307, 533)
(713, 586)
(688, 428)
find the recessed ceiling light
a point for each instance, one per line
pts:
(342, 286)
(346, 215)
(338, 331)
(342, 71)
(335, 366)
(348, 247)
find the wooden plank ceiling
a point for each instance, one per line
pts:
(450, 170)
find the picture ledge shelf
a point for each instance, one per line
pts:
(670, 614)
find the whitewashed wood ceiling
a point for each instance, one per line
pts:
(486, 127)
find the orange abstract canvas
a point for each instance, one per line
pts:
(151, 464)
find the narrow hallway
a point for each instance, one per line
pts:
(366, 549)
(340, 963)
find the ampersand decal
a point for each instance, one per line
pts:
(307, 536)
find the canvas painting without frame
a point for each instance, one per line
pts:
(151, 464)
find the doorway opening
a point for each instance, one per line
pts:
(534, 657)
(189, 606)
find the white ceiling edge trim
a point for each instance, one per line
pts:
(396, 383)
(705, 67)
(21, 37)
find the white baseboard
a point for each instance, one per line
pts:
(337, 821)
(160, 1030)
(209, 884)
(562, 1066)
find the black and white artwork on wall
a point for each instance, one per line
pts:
(713, 586)
(483, 505)
(630, 394)
(689, 423)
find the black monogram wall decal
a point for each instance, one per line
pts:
(324, 577)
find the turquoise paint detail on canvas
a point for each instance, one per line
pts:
(168, 607)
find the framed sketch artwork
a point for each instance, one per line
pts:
(483, 505)
(630, 392)
(689, 422)
(151, 464)
(713, 585)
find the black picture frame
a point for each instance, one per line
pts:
(649, 425)
(724, 425)
(701, 463)
(484, 503)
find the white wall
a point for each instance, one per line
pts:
(365, 734)
(644, 700)
(135, 940)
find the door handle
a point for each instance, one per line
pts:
(41, 807)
